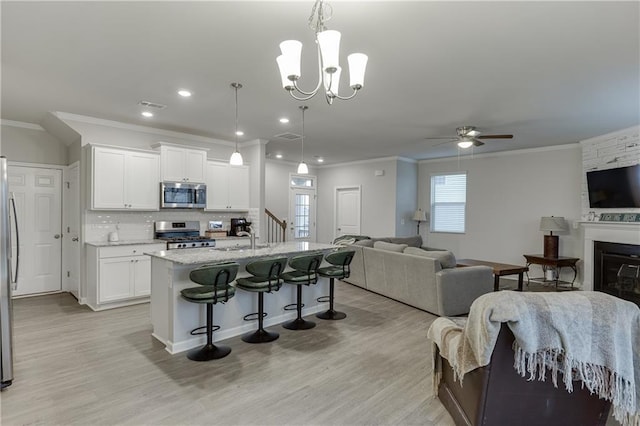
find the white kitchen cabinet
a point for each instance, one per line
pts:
(183, 164)
(227, 187)
(119, 275)
(124, 179)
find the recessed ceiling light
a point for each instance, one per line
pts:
(284, 120)
(184, 93)
(320, 160)
(240, 133)
(147, 114)
(278, 155)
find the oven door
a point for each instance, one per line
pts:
(178, 195)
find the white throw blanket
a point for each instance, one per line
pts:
(588, 336)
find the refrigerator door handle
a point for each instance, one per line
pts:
(14, 280)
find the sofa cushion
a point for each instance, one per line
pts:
(364, 243)
(415, 241)
(398, 248)
(445, 257)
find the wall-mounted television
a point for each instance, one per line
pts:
(614, 188)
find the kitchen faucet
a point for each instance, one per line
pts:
(249, 234)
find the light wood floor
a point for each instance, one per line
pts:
(75, 366)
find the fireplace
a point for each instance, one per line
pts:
(616, 269)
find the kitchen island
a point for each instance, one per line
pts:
(173, 318)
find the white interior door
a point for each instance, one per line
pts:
(347, 214)
(71, 227)
(37, 192)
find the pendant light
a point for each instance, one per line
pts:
(236, 157)
(302, 167)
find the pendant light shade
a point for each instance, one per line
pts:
(236, 157)
(303, 169)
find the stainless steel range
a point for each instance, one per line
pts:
(182, 235)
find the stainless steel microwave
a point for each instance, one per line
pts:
(180, 195)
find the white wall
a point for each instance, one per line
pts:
(378, 198)
(277, 187)
(32, 145)
(507, 194)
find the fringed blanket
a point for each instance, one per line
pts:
(588, 336)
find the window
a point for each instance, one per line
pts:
(302, 218)
(448, 201)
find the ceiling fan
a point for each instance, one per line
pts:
(468, 136)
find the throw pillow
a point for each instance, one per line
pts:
(398, 248)
(364, 243)
(445, 257)
(415, 241)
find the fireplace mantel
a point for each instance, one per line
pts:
(614, 232)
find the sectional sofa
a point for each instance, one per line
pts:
(423, 277)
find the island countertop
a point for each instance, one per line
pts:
(215, 255)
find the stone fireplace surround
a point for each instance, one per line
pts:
(613, 232)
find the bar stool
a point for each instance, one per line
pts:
(340, 260)
(215, 287)
(266, 278)
(305, 272)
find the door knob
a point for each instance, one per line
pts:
(57, 236)
(74, 239)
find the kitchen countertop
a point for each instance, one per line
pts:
(213, 255)
(123, 243)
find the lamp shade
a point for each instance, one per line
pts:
(420, 216)
(329, 42)
(465, 142)
(357, 67)
(553, 224)
(289, 61)
(302, 168)
(236, 159)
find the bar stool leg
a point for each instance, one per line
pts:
(299, 323)
(331, 314)
(260, 335)
(209, 351)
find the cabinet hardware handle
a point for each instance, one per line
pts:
(57, 236)
(74, 239)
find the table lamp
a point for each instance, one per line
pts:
(552, 224)
(419, 216)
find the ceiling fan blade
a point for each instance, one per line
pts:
(495, 137)
(452, 138)
(477, 142)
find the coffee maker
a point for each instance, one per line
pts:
(239, 224)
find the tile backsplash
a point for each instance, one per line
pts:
(139, 225)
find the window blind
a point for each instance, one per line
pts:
(448, 202)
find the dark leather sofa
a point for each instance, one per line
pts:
(496, 395)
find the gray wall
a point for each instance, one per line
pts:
(277, 187)
(378, 196)
(507, 194)
(406, 197)
(32, 146)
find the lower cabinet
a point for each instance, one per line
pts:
(119, 275)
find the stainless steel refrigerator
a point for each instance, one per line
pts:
(8, 275)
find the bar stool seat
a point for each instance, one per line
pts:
(340, 269)
(305, 272)
(215, 287)
(266, 278)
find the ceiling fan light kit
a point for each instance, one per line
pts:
(329, 70)
(468, 136)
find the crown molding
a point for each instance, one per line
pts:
(617, 133)
(138, 128)
(21, 124)
(505, 153)
(372, 160)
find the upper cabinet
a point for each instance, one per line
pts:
(124, 179)
(183, 164)
(227, 186)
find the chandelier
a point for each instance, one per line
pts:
(329, 70)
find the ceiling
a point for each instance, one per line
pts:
(549, 73)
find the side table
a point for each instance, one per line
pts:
(555, 263)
